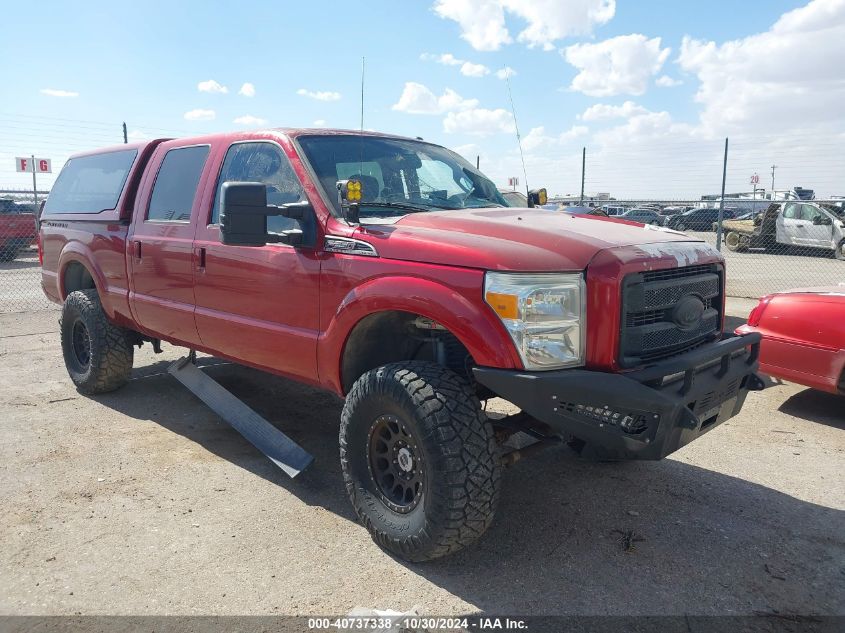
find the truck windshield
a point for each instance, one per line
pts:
(398, 176)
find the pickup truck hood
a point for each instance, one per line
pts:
(512, 238)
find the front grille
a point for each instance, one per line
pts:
(650, 321)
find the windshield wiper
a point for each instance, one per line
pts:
(397, 205)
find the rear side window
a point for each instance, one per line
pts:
(90, 184)
(176, 184)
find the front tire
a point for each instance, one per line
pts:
(680, 227)
(839, 253)
(419, 460)
(98, 354)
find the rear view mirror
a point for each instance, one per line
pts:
(537, 197)
(244, 213)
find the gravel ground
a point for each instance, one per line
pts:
(144, 502)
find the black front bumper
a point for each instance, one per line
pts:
(642, 414)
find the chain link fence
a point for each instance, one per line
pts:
(768, 246)
(20, 272)
(773, 239)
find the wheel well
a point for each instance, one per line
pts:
(77, 277)
(392, 336)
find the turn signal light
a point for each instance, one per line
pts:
(504, 305)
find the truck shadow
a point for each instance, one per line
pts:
(570, 536)
(816, 406)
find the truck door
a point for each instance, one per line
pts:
(816, 235)
(160, 243)
(791, 224)
(258, 305)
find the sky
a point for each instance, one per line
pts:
(650, 88)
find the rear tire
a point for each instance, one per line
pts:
(419, 460)
(98, 354)
(735, 242)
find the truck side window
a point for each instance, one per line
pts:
(261, 162)
(809, 212)
(176, 184)
(792, 211)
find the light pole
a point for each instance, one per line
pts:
(773, 178)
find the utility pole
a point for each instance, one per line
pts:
(773, 179)
(478, 162)
(722, 199)
(125, 137)
(34, 186)
(583, 165)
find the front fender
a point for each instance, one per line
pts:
(472, 322)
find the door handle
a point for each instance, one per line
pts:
(800, 226)
(137, 247)
(199, 254)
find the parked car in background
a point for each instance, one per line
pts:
(804, 224)
(745, 216)
(646, 216)
(674, 210)
(17, 228)
(581, 210)
(803, 336)
(700, 219)
(514, 198)
(612, 210)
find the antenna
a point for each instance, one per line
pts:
(516, 126)
(363, 67)
(361, 147)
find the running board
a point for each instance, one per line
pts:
(282, 451)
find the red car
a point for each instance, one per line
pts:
(803, 336)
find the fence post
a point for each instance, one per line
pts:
(583, 163)
(722, 199)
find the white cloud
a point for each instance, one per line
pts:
(786, 77)
(665, 81)
(537, 137)
(620, 65)
(505, 73)
(601, 111)
(200, 115)
(418, 99)
(53, 92)
(447, 59)
(479, 122)
(482, 22)
(319, 123)
(248, 119)
(319, 95)
(247, 90)
(468, 69)
(551, 20)
(212, 86)
(137, 135)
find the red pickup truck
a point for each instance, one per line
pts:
(17, 228)
(391, 272)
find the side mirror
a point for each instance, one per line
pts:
(822, 220)
(244, 213)
(537, 197)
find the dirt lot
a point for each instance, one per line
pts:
(144, 502)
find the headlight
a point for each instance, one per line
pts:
(544, 314)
